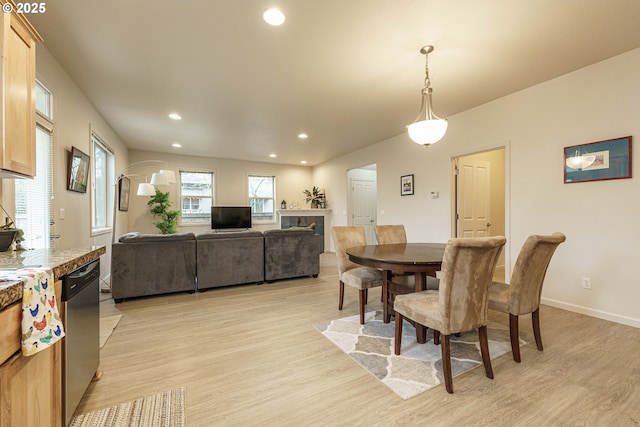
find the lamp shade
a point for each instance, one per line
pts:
(169, 174)
(146, 189)
(427, 132)
(580, 162)
(159, 179)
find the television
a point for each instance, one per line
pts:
(230, 217)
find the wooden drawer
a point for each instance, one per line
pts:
(10, 330)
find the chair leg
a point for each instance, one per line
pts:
(515, 336)
(366, 296)
(535, 319)
(446, 363)
(341, 300)
(484, 350)
(363, 299)
(436, 337)
(398, 337)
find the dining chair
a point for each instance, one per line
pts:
(387, 234)
(349, 273)
(522, 295)
(460, 305)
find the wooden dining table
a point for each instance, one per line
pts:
(421, 259)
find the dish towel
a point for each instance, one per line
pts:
(41, 323)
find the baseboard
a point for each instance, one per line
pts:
(629, 321)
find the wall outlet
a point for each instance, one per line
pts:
(586, 283)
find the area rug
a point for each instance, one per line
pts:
(419, 366)
(107, 325)
(166, 409)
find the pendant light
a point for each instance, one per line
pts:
(428, 128)
(580, 161)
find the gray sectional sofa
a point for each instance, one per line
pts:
(153, 264)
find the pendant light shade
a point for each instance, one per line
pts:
(580, 161)
(428, 128)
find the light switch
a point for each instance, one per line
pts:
(435, 194)
(61, 213)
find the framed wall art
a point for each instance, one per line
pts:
(406, 185)
(124, 186)
(596, 161)
(78, 171)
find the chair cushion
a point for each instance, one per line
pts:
(362, 277)
(423, 307)
(499, 294)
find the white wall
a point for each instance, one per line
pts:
(598, 102)
(230, 181)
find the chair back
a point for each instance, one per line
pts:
(388, 234)
(467, 269)
(529, 272)
(345, 237)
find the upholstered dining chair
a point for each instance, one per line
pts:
(522, 295)
(387, 234)
(349, 273)
(460, 305)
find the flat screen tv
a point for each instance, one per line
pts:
(229, 217)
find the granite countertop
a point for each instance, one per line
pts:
(61, 262)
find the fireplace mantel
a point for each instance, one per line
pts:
(304, 217)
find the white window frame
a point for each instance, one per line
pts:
(180, 196)
(261, 220)
(96, 140)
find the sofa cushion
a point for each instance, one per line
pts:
(228, 235)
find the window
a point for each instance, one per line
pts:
(102, 172)
(196, 196)
(262, 193)
(34, 198)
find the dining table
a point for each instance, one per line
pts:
(421, 259)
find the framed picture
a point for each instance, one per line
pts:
(78, 171)
(406, 185)
(124, 186)
(596, 161)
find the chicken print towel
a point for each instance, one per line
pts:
(41, 323)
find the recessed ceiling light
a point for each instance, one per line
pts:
(303, 136)
(176, 145)
(303, 162)
(272, 155)
(175, 116)
(273, 17)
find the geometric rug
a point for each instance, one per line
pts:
(107, 325)
(419, 366)
(166, 409)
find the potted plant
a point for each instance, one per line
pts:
(315, 196)
(10, 234)
(159, 207)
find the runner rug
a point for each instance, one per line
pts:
(166, 409)
(107, 325)
(419, 366)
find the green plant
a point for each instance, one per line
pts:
(315, 196)
(159, 206)
(18, 237)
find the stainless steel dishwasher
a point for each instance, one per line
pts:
(81, 345)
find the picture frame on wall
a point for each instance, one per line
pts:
(78, 171)
(124, 187)
(597, 161)
(406, 185)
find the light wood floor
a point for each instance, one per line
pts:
(249, 356)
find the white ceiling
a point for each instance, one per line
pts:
(347, 72)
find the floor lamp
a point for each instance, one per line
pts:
(163, 177)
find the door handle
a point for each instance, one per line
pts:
(488, 224)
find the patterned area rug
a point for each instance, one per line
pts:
(166, 409)
(419, 366)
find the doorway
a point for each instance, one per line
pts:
(480, 197)
(362, 199)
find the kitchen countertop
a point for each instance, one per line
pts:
(61, 261)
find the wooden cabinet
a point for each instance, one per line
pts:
(17, 95)
(30, 387)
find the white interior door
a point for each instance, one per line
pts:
(474, 198)
(363, 206)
